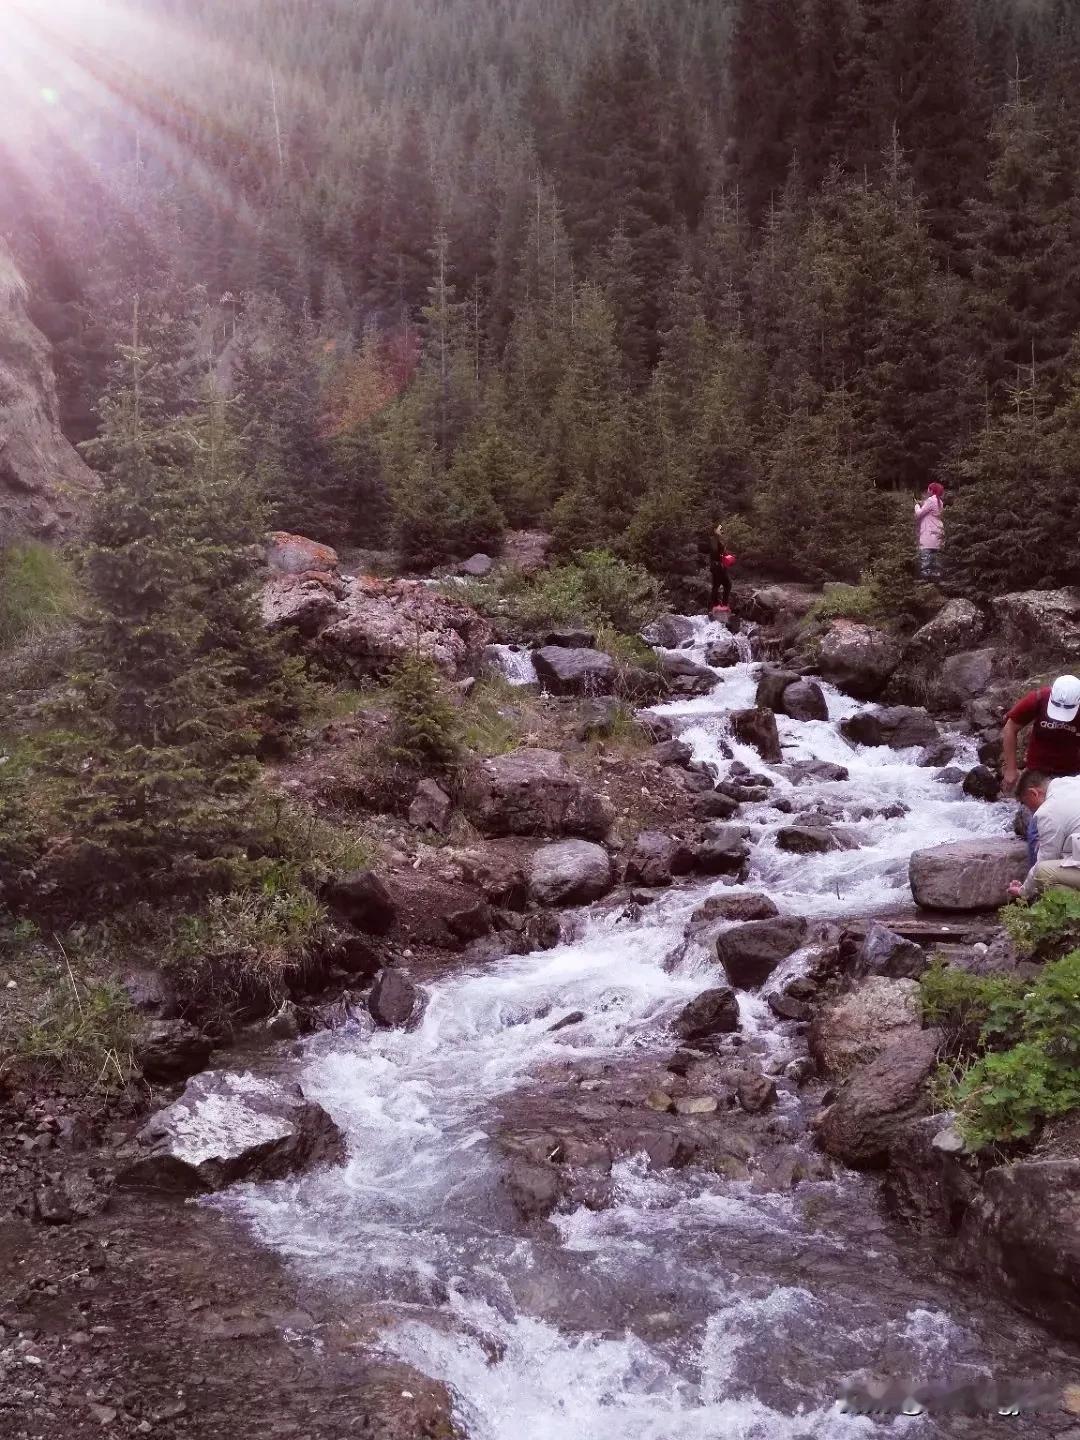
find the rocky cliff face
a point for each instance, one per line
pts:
(44, 485)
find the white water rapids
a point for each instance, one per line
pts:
(695, 1308)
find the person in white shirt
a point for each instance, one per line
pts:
(1056, 806)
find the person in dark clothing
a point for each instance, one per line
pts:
(720, 563)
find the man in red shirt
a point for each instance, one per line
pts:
(1054, 743)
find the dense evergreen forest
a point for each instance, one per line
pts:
(617, 268)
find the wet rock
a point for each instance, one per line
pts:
(431, 807)
(878, 1099)
(394, 1002)
(755, 1093)
(534, 1189)
(805, 700)
(898, 726)
(670, 632)
(171, 1050)
(579, 671)
(477, 566)
(883, 952)
(982, 784)
(712, 805)
(713, 1012)
(363, 899)
(722, 651)
(810, 840)
(230, 1127)
(470, 922)
(150, 992)
(967, 874)
(672, 752)
(757, 727)
(957, 626)
(542, 931)
(858, 658)
(951, 775)
(654, 859)
(534, 792)
(743, 906)
(723, 850)
(858, 1026)
(750, 953)
(658, 728)
(799, 1070)
(940, 753)
(1040, 621)
(572, 872)
(284, 1024)
(574, 1018)
(826, 771)
(788, 1007)
(686, 676)
(771, 686)
(355, 955)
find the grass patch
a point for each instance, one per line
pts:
(847, 602)
(37, 592)
(490, 721)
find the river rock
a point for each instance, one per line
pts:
(685, 676)
(394, 1002)
(230, 1127)
(750, 953)
(789, 1007)
(982, 784)
(859, 1025)
(805, 700)
(951, 775)
(810, 840)
(713, 1012)
(757, 727)
(898, 726)
(941, 752)
(655, 858)
(171, 1050)
(534, 1189)
(363, 899)
(295, 554)
(672, 752)
(826, 771)
(533, 792)
(957, 626)
(571, 872)
(712, 805)
(967, 874)
(722, 651)
(742, 906)
(723, 850)
(771, 686)
(858, 658)
(565, 671)
(878, 1099)
(755, 1093)
(669, 632)
(431, 807)
(1040, 621)
(883, 952)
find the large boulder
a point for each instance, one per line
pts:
(229, 1127)
(395, 1003)
(967, 874)
(685, 676)
(477, 566)
(900, 727)
(858, 658)
(1040, 621)
(821, 771)
(741, 906)
(957, 626)
(363, 899)
(533, 792)
(305, 603)
(669, 632)
(713, 1012)
(574, 671)
(771, 686)
(750, 953)
(655, 858)
(377, 622)
(722, 651)
(723, 850)
(878, 1099)
(297, 555)
(779, 605)
(959, 679)
(858, 1026)
(757, 727)
(805, 700)
(571, 872)
(883, 952)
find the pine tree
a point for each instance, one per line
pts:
(762, 101)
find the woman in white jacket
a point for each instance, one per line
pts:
(1056, 806)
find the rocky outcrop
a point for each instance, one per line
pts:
(303, 603)
(757, 727)
(858, 1026)
(574, 671)
(377, 622)
(655, 859)
(750, 953)
(1040, 621)
(226, 1128)
(968, 874)
(877, 1100)
(899, 727)
(858, 658)
(45, 488)
(533, 792)
(959, 679)
(958, 625)
(572, 872)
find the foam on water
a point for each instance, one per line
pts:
(516, 664)
(694, 1308)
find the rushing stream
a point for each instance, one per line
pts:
(696, 1308)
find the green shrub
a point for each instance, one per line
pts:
(425, 727)
(1052, 922)
(37, 592)
(847, 602)
(969, 1008)
(490, 725)
(592, 588)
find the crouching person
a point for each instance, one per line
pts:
(1055, 804)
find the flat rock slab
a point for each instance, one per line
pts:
(968, 874)
(575, 671)
(228, 1127)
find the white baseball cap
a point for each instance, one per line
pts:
(1064, 702)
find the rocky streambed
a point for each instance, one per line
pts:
(584, 1190)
